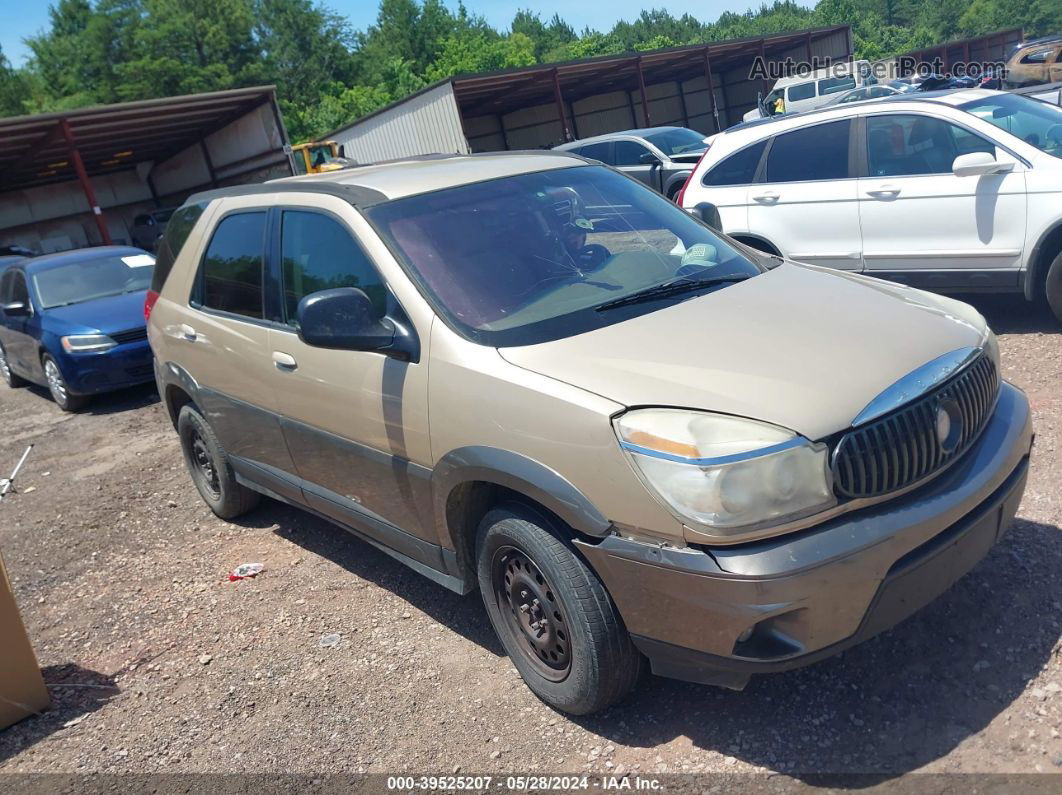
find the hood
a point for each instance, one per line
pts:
(106, 315)
(802, 347)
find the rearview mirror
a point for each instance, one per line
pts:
(977, 164)
(16, 309)
(649, 159)
(344, 319)
(709, 214)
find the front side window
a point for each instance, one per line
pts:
(19, 291)
(910, 145)
(811, 153)
(628, 153)
(738, 169)
(535, 257)
(832, 85)
(318, 253)
(1036, 56)
(679, 141)
(92, 279)
(801, 91)
(1037, 123)
(231, 273)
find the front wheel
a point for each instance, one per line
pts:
(1053, 286)
(553, 616)
(58, 387)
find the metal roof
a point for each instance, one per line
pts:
(34, 149)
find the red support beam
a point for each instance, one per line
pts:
(86, 186)
(711, 89)
(641, 88)
(559, 98)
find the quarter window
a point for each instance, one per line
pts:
(231, 274)
(318, 253)
(910, 145)
(738, 169)
(628, 153)
(811, 153)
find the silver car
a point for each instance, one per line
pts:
(661, 157)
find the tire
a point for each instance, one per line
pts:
(6, 373)
(523, 565)
(58, 387)
(1053, 286)
(209, 466)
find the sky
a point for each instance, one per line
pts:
(22, 18)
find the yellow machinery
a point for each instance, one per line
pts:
(315, 157)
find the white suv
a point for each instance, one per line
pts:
(955, 191)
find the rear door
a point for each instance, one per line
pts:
(223, 344)
(807, 204)
(916, 215)
(356, 422)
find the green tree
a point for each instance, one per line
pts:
(13, 88)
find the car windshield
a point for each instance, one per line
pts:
(528, 258)
(678, 141)
(99, 277)
(1037, 123)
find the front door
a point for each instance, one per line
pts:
(225, 336)
(627, 157)
(16, 331)
(916, 215)
(806, 205)
(356, 422)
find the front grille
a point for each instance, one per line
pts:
(902, 447)
(132, 335)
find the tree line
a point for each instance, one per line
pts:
(328, 74)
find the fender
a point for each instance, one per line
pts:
(676, 180)
(172, 373)
(519, 473)
(1035, 269)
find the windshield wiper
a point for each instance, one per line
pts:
(673, 287)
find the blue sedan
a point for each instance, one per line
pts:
(74, 322)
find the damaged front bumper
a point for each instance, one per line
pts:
(716, 615)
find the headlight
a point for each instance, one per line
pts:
(726, 472)
(87, 343)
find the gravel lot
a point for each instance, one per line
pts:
(157, 663)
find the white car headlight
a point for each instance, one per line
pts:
(87, 343)
(729, 473)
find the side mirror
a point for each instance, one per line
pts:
(16, 309)
(343, 318)
(709, 214)
(649, 159)
(976, 164)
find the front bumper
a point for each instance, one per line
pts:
(125, 365)
(808, 595)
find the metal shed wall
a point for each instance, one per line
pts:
(426, 123)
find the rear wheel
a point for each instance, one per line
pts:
(1053, 286)
(6, 373)
(553, 616)
(58, 387)
(209, 466)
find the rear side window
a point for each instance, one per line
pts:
(811, 153)
(230, 278)
(177, 232)
(831, 85)
(738, 169)
(801, 91)
(600, 151)
(319, 253)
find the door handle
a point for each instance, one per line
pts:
(884, 190)
(768, 197)
(284, 361)
(187, 332)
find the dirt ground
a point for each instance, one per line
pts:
(157, 663)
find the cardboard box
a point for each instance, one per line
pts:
(22, 690)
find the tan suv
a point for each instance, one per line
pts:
(530, 374)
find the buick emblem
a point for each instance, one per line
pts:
(949, 425)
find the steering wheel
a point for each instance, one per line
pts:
(1054, 133)
(592, 257)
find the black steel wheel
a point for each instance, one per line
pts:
(533, 615)
(552, 614)
(209, 466)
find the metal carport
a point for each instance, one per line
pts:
(113, 161)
